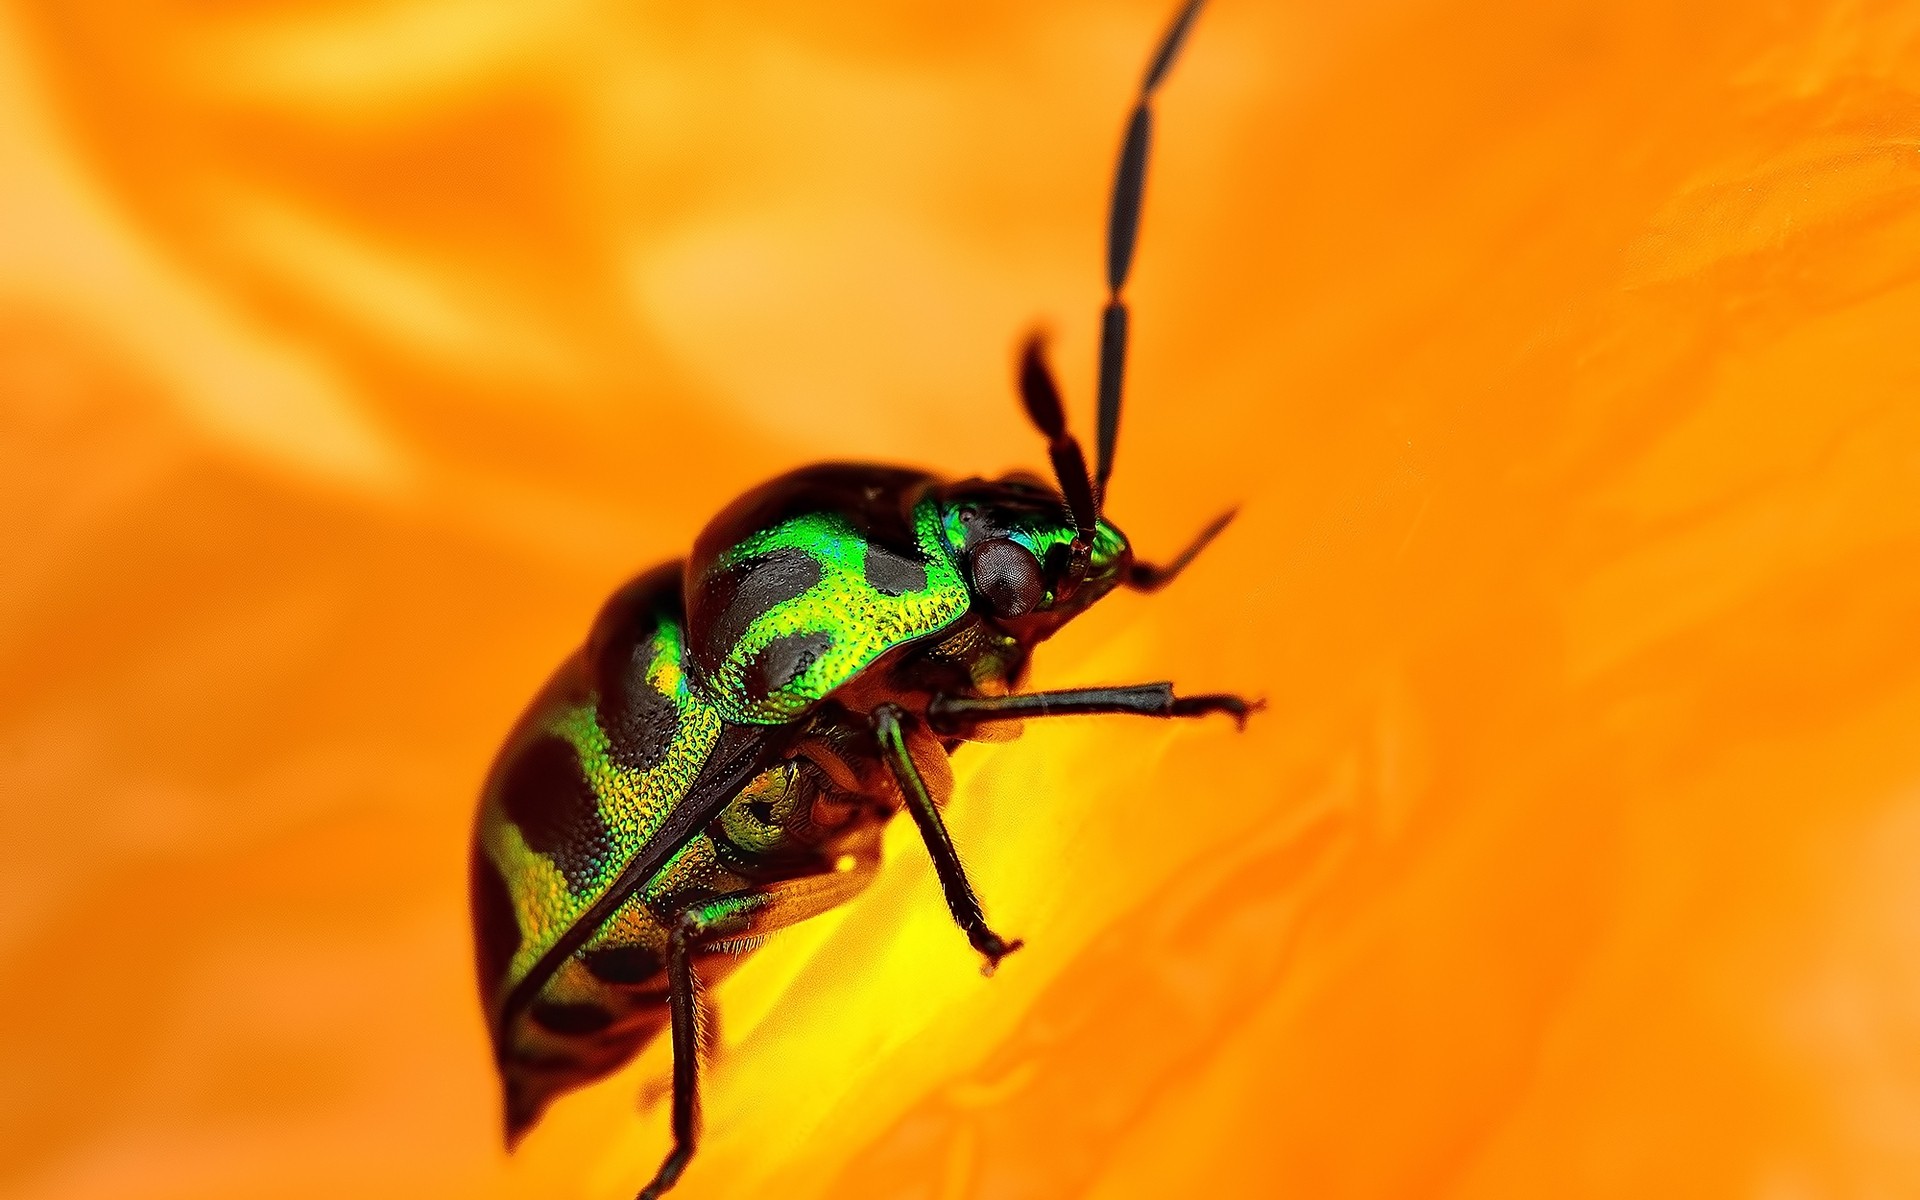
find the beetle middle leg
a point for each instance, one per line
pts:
(955, 714)
(889, 728)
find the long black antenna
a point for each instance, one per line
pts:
(1042, 397)
(1123, 227)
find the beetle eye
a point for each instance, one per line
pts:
(1008, 577)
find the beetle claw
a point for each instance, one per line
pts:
(1237, 707)
(1251, 707)
(994, 948)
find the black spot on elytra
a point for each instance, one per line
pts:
(547, 796)
(570, 1019)
(630, 616)
(782, 661)
(496, 930)
(876, 502)
(622, 964)
(639, 721)
(735, 597)
(892, 575)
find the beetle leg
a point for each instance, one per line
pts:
(889, 730)
(952, 714)
(653, 1089)
(1146, 577)
(683, 1007)
(695, 1034)
(691, 927)
(776, 906)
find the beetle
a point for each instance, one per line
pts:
(720, 757)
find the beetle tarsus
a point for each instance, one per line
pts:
(993, 948)
(668, 1174)
(1237, 707)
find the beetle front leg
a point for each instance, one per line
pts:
(954, 714)
(889, 730)
(1147, 577)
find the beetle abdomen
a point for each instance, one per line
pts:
(593, 769)
(782, 838)
(591, 773)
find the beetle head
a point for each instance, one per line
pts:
(1037, 556)
(1020, 547)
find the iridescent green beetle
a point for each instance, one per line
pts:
(718, 760)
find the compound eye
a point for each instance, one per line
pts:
(1008, 577)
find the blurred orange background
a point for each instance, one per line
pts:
(1561, 359)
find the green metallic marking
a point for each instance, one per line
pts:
(541, 898)
(633, 804)
(690, 865)
(1039, 536)
(1109, 547)
(728, 914)
(775, 791)
(860, 621)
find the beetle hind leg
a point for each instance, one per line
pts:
(695, 1029)
(683, 1006)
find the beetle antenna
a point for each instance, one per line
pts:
(1123, 227)
(1042, 397)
